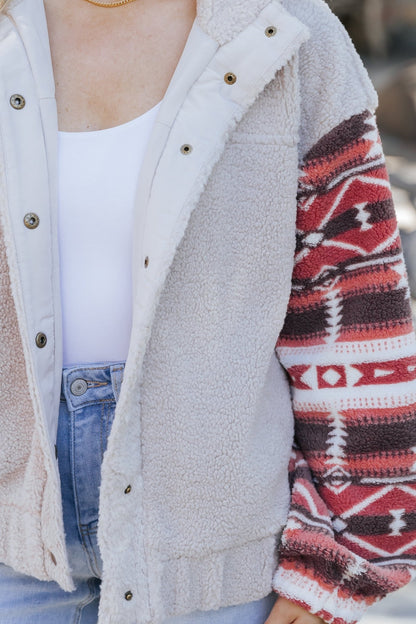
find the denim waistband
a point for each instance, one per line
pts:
(91, 383)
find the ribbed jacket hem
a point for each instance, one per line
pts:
(182, 585)
(31, 542)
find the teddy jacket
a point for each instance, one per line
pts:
(271, 330)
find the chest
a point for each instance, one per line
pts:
(112, 65)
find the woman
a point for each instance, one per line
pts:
(214, 169)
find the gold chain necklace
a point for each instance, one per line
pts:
(109, 4)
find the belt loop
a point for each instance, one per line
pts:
(117, 372)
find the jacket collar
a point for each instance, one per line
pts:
(220, 20)
(224, 19)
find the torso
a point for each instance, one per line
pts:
(113, 64)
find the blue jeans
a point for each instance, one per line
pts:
(88, 397)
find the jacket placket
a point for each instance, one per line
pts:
(204, 111)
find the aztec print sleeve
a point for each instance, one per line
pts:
(348, 347)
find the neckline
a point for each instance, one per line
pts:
(111, 129)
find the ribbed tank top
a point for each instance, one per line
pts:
(97, 173)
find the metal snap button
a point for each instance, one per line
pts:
(230, 78)
(40, 340)
(31, 220)
(186, 148)
(127, 490)
(17, 101)
(270, 31)
(128, 595)
(146, 262)
(78, 387)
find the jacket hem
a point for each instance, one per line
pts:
(233, 576)
(31, 542)
(183, 585)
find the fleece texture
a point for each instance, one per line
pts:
(346, 345)
(234, 336)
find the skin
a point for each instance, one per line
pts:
(112, 65)
(286, 612)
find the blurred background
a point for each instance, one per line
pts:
(384, 33)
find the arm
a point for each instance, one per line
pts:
(349, 349)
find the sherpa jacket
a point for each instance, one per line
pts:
(275, 312)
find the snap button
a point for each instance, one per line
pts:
(17, 101)
(78, 387)
(53, 558)
(186, 148)
(127, 490)
(230, 78)
(128, 595)
(146, 262)
(41, 340)
(31, 220)
(270, 31)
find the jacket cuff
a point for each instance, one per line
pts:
(299, 585)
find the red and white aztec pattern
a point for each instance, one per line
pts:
(349, 349)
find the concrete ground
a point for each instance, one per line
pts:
(397, 608)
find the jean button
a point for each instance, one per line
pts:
(78, 387)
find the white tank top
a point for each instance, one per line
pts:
(98, 173)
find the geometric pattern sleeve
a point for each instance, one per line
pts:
(348, 347)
